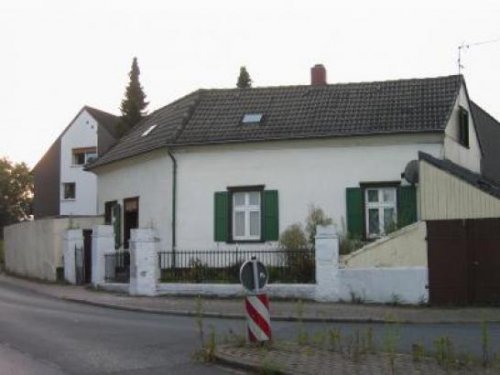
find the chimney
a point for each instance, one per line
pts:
(318, 75)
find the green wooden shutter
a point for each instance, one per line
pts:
(271, 215)
(407, 205)
(117, 224)
(221, 216)
(354, 204)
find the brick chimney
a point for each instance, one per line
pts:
(318, 75)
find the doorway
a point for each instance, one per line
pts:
(130, 218)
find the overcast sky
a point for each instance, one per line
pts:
(57, 56)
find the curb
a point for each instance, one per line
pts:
(231, 363)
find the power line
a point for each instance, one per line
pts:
(467, 46)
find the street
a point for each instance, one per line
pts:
(42, 335)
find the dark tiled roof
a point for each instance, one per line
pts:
(463, 174)
(109, 121)
(488, 130)
(295, 112)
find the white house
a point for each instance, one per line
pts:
(237, 166)
(62, 186)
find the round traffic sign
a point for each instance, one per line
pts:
(249, 271)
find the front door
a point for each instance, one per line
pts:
(130, 218)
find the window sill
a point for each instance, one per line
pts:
(245, 241)
(68, 199)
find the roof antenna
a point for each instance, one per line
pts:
(464, 46)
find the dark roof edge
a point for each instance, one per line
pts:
(473, 117)
(465, 175)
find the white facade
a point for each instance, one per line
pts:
(470, 157)
(82, 133)
(148, 177)
(304, 173)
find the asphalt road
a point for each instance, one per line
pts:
(41, 335)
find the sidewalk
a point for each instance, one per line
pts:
(280, 310)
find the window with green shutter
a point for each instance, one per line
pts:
(354, 204)
(246, 215)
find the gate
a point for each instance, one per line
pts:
(117, 267)
(464, 261)
(79, 265)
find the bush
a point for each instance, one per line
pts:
(293, 238)
(316, 217)
(298, 260)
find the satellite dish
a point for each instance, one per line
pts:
(411, 172)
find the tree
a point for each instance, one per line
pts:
(134, 103)
(244, 80)
(16, 192)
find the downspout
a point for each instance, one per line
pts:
(174, 204)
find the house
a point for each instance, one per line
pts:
(225, 167)
(62, 186)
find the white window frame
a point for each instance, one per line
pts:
(247, 208)
(380, 205)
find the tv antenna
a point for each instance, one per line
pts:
(466, 46)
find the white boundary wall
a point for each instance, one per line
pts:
(405, 285)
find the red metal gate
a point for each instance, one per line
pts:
(464, 261)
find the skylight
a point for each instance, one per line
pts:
(252, 118)
(149, 130)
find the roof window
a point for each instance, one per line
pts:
(252, 118)
(149, 130)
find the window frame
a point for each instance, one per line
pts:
(64, 197)
(366, 205)
(247, 238)
(87, 152)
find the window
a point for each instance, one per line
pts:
(82, 156)
(380, 211)
(380, 204)
(252, 118)
(463, 127)
(69, 190)
(246, 215)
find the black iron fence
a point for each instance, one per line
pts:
(223, 266)
(117, 267)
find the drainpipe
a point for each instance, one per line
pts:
(174, 204)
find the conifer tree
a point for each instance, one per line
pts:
(134, 103)
(244, 80)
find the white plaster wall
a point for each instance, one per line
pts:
(304, 172)
(35, 248)
(406, 247)
(148, 177)
(469, 158)
(81, 133)
(405, 285)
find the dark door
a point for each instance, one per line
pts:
(464, 261)
(447, 259)
(130, 218)
(87, 257)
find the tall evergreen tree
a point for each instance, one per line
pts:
(244, 80)
(134, 103)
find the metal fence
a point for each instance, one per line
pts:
(117, 267)
(223, 266)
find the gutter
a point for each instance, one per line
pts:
(174, 205)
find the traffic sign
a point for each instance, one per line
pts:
(251, 271)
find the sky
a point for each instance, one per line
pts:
(57, 56)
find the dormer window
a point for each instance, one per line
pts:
(463, 127)
(149, 130)
(252, 118)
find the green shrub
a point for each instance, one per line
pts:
(316, 217)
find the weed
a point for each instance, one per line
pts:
(444, 351)
(396, 300)
(334, 338)
(356, 299)
(302, 335)
(370, 345)
(199, 320)
(485, 343)
(417, 352)
(269, 367)
(391, 340)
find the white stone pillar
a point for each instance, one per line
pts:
(327, 263)
(143, 262)
(73, 238)
(103, 241)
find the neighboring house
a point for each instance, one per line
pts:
(62, 187)
(223, 167)
(489, 135)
